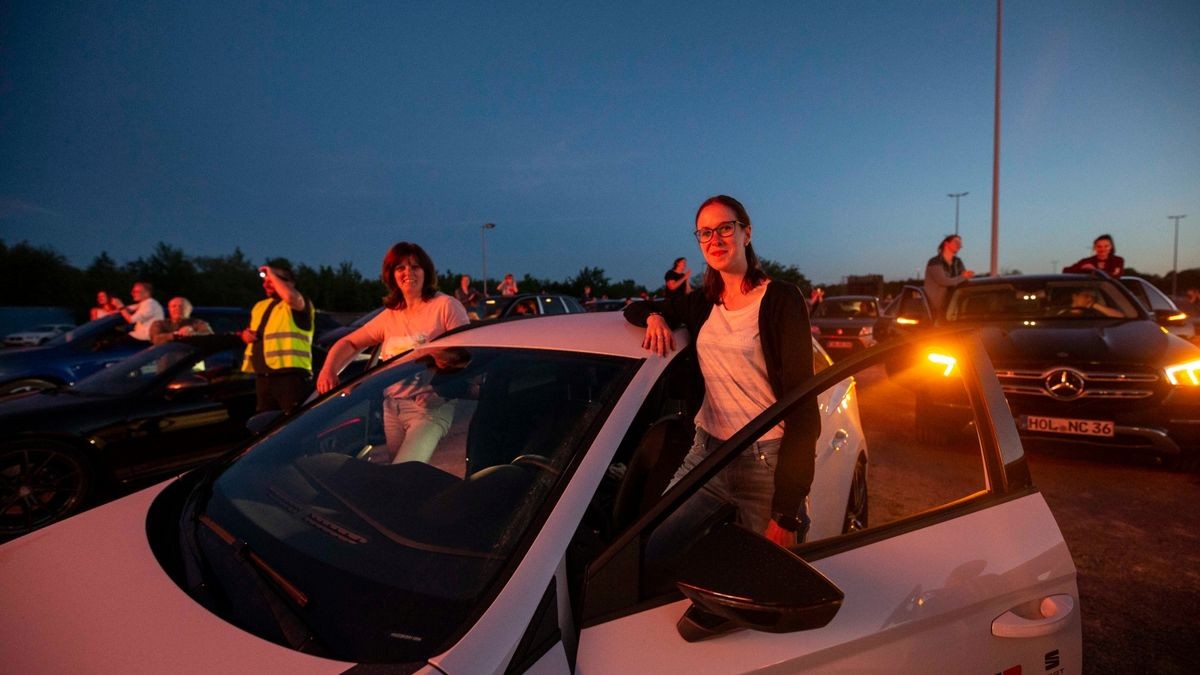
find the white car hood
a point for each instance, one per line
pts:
(87, 596)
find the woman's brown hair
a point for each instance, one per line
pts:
(714, 285)
(397, 254)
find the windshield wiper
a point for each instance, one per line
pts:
(243, 549)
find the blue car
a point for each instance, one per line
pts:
(93, 346)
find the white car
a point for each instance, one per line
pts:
(519, 546)
(37, 335)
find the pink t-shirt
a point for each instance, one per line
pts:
(400, 330)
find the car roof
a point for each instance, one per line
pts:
(598, 333)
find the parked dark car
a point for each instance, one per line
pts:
(156, 413)
(528, 304)
(845, 324)
(93, 346)
(1080, 359)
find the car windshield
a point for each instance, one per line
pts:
(88, 330)
(137, 371)
(1040, 299)
(394, 505)
(846, 308)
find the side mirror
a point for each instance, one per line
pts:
(262, 421)
(1170, 317)
(738, 579)
(186, 381)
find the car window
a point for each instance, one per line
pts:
(898, 443)
(137, 371)
(396, 503)
(1039, 299)
(552, 305)
(911, 303)
(221, 366)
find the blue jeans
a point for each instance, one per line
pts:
(747, 484)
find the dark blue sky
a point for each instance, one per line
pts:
(589, 134)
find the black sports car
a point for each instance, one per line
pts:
(1081, 360)
(844, 324)
(158, 412)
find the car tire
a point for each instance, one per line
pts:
(27, 384)
(42, 482)
(858, 501)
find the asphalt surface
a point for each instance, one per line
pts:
(1133, 529)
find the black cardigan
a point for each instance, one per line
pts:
(787, 347)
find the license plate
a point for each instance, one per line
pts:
(1065, 425)
(839, 344)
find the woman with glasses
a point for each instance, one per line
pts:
(753, 345)
(415, 313)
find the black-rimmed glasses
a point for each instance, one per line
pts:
(724, 230)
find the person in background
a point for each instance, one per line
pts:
(279, 343)
(587, 299)
(179, 322)
(105, 304)
(508, 286)
(1105, 258)
(815, 298)
(678, 279)
(469, 297)
(415, 313)
(753, 344)
(143, 311)
(943, 272)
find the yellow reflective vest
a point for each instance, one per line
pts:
(284, 344)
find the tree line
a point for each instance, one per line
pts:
(39, 276)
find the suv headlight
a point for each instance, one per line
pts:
(1184, 373)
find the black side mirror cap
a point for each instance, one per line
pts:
(262, 421)
(738, 579)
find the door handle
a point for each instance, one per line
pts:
(1036, 618)
(840, 438)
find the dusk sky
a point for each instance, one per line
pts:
(589, 134)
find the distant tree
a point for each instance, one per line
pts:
(789, 273)
(104, 275)
(32, 276)
(168, 268)
(230, 280)
(588, 276)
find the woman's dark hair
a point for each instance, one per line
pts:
(1109, 238)
(714, 285)
(946, 240)
(395, 255)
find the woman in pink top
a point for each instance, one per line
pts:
(415, 313)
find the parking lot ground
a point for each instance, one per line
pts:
(1134, 532)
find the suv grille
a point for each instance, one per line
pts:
(1064, 383)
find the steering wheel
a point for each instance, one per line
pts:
(539, 462)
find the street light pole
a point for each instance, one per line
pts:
(483, 249)
(955, 196)
(1175, 263)
(995, 266)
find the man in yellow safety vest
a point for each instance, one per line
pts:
(279, 343)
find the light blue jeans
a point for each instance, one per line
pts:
(748, 483)
(413, 430)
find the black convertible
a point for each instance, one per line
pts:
(156, 413)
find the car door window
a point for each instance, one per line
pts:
(898, 440)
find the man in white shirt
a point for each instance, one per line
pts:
(143, 311)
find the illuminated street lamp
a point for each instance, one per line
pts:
(483, 248)
(955, 196)
(1175, 263)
